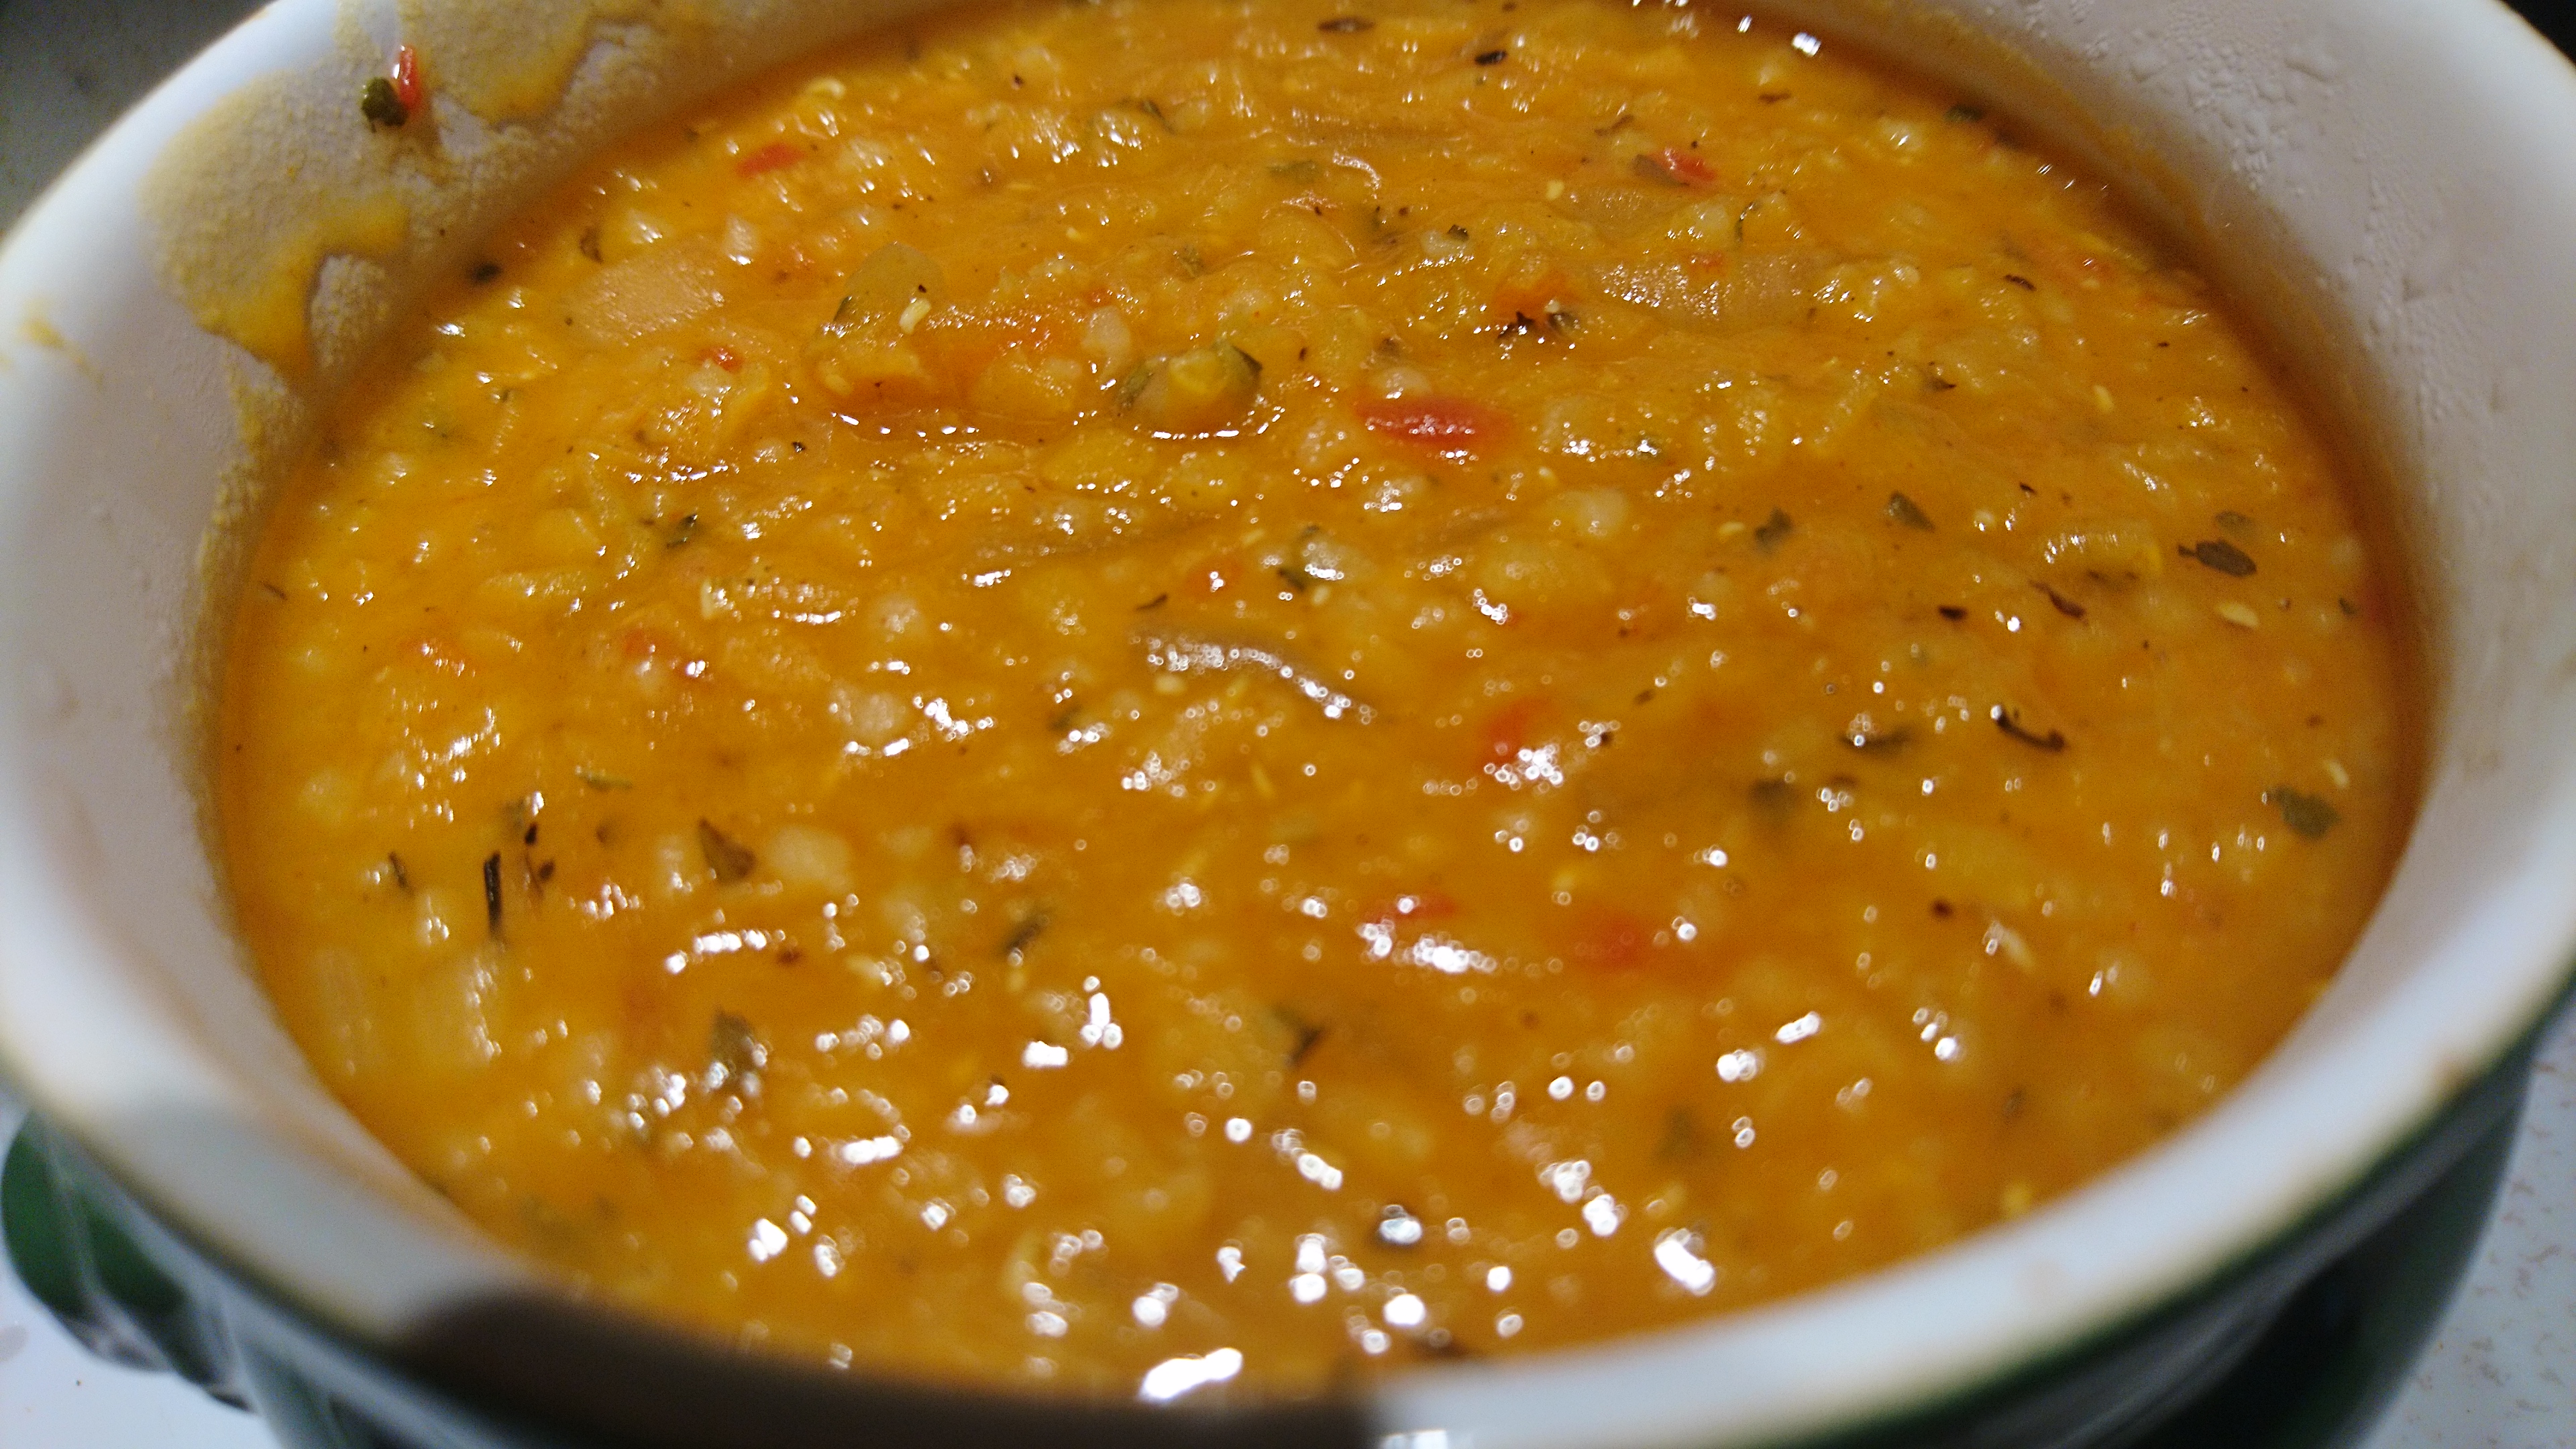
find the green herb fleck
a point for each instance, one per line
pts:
(1681, 1140)
(1346, 25)
(601, 780)
(2009, 721)
(1885, 742)
(1962, 113)
(1901, 509)
(492, 893)
(1774, 531)
(1303, 1034)
(379, 103)
(734, 1052)
(1028, 929)
(2219, 554)
(1646, 166)
(728, 859)
(2302, 812)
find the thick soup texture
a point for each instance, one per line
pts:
(1183, 697)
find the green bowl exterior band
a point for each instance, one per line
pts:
(2290, 1347)
(111, 1297)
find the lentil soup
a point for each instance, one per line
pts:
(1160, 692)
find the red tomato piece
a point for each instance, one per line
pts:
(406, 77)
(722, 356)
(1612, 941)
(769, 158)
(1451, 427)
(1684, 165)
(1507, 730)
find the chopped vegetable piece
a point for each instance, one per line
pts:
(2302, 812)
(406, 78)
(1673, 166)
(1204, 390)
(1611, 940)
(729, 860)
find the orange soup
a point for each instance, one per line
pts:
(1181, 697)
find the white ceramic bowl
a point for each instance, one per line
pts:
(2392, 181)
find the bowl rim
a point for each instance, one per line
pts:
(2006, 1297)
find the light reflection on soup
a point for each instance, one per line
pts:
(1277, 693)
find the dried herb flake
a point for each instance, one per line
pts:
(1774, 531)
(1902, 510)
(2009, 721)
(734, 1051)
(1346, 25)
(1028, 929)
(2219, 554)
(2302, 812)
(382, 105)
(730, 860)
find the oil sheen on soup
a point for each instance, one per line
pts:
(1184, 698)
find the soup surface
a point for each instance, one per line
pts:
(1166, 692)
